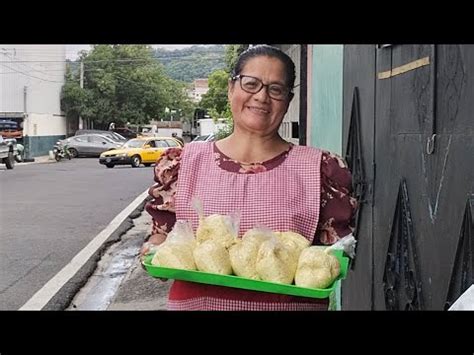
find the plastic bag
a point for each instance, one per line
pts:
(243, 254)
(276, 262)
(294, 241)
(217, 227)
(181, 232)
(258, 234)
(465, 302)
(317, 268)
(348, 244)
(177, 251)
(211, 256)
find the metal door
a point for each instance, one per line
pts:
(415, 231)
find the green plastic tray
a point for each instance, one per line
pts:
(244, 283)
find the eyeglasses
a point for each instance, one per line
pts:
(253, 85)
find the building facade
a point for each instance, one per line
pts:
(31, 79)
(199, 88)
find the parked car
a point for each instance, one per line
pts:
(126, 132)
(8, 152)
(205, 138)
(137, 151)
(109, 134)
(89, 145)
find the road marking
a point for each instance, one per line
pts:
(47, 292)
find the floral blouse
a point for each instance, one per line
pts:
(337, 210)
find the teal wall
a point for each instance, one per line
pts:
(39, 145)
(326, 112)
(326, 97)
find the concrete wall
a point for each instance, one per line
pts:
(40, 145)
(36, 124)
(39, 68)
(41, 131)
(31, 80)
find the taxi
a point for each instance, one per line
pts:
(137, 151)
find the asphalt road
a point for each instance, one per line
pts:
(50, 211)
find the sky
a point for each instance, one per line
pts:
(72, 49)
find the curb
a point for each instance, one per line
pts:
(59, 291)
(36, 160)
(63, 298)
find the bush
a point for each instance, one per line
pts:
(225, 131)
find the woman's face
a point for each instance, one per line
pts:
(259, 113)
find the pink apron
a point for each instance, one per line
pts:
(286, 197)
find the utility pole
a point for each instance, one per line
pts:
(81, 84)
(25, 93)
(82, 75)
(26, 128)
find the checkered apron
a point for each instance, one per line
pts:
(286, 197)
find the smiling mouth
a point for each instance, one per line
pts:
(258, 110)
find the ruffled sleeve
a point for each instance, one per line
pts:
(336, 217)
(162, 206)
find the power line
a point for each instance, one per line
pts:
(33, 71)
(31, 76)
(27, 66)
(187, 57)
(47, 70)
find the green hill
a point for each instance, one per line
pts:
(192, 63)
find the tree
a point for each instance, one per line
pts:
(232, 52)
(226, 130)
(122, 83)
(72, 96)
(215, 99)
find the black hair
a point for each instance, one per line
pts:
(268, 51)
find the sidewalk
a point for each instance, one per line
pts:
(138, 290)
(40, 159)
(37, 160)
(119, 282)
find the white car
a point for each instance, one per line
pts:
(8, 152)
(206, 138)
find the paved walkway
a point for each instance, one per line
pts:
(119, 282)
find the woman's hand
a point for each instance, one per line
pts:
(153, 242)
(149, 246)
(146, 249)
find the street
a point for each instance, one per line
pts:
(50, 211)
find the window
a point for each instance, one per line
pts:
(161, 144)
(81, 139)
(200, 138)
(172, 143)
(96, 139)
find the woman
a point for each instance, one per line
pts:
(256, 172)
